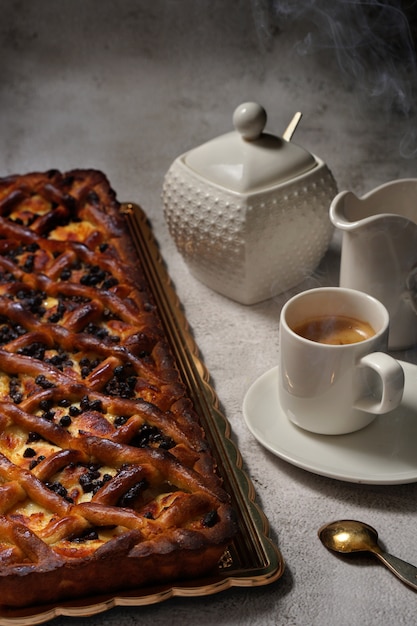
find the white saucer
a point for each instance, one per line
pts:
(384, 453)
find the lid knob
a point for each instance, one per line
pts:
(249, 119)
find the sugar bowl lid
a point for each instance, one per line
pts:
(248, 159)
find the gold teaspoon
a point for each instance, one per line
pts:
(351, 536)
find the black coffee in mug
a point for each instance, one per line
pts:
(335, 329)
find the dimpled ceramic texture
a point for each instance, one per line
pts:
(249, 247)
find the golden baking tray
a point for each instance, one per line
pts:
(253, 559)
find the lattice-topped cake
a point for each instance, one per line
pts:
(107, 482)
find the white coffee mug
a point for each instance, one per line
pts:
(336, 388)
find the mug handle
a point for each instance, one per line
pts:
(391, 374)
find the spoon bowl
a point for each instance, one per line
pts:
(347, 536)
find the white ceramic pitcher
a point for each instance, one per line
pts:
(379, 251)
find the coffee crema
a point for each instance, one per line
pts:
(335, 330)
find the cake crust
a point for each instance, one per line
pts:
(107, 482)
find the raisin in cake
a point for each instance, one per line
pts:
(107, 482)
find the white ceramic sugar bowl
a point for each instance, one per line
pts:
(248, 211)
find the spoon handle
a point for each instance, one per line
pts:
(292, 127)
(403, 570)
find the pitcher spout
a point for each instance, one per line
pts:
(396, 201)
